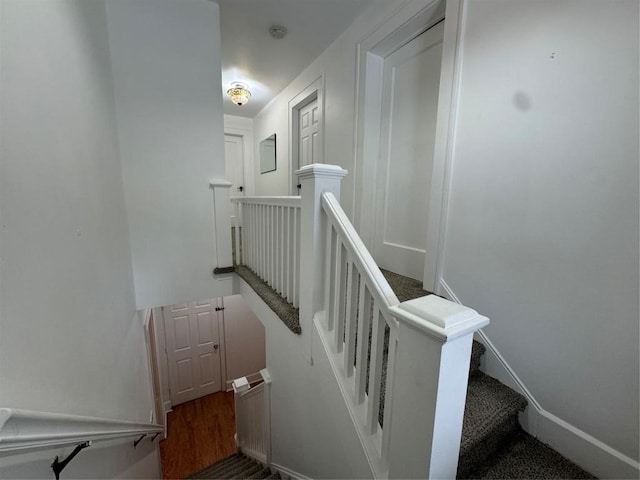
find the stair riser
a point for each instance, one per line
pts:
(500, 435)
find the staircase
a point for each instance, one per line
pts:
(236, 466)
(405, 388)
(493, 443)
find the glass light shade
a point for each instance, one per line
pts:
(239, 94)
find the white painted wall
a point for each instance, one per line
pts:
(109, 459)
(244, 340)
(311, 431)
(338, 65)
(70, 340)
(166, 64)
(542, 232)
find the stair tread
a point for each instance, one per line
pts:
(247, 472)
(226, 468)
(527, 457)
(489, 402)
(264, 473)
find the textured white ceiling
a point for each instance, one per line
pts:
(250, 55)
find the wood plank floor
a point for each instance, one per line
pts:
(199, 433)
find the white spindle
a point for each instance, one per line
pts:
(350, 319)
(375, 370)
(389, 397)
(296, 258)
(364, 320)
(329, 265)
(338, 308)
(288, 245)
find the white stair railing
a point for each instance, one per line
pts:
(427, 347)
(253, 417)
(402, 367)
(267, 241)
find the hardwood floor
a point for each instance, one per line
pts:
(199, 433)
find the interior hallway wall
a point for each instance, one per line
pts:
(542, 234)
(166, 64)
(337, 64)
(70, 339)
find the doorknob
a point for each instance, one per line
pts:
(215, 347)
(240, 188)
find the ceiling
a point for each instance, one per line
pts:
(267, 65)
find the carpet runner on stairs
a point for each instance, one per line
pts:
(493, 444)
(236, 466)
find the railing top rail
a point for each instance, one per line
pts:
(276, 201)
(380, 288)
(23, 429)
(430, 314)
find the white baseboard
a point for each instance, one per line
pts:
(287, 473)
(584, 450)
(578, 446)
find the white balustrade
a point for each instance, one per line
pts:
(267, 241)
(402, 367)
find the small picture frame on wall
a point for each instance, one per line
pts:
(268, 154)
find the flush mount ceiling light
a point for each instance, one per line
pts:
(239, 93)
(277, 31)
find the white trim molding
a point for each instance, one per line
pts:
(578, 446)
(288, 473)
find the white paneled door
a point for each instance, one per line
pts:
(309, 130)
(234, 163)
(411, 81)
(193, 350)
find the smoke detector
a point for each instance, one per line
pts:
(277, 31)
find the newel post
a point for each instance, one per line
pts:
(315, 180)
(430, 386)
(222, 225)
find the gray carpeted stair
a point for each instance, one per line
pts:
(493, 444)
(236, 466)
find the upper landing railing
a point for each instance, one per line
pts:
(267, 240)
(405, 388)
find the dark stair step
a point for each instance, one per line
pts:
(527, 457)
(477, 351)
(262, 474)
(490, 420)
(237, 466)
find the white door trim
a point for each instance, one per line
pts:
(409, 21)
(313, 91)
(445, 126)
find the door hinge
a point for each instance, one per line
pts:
(219, 308)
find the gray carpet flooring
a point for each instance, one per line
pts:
(289, 315)
(236, 466)
(493, 444)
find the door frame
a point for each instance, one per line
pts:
(314, 91)
(409, 21)
(243, 127)
(162, 346)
